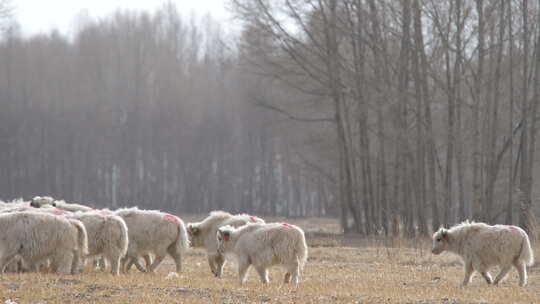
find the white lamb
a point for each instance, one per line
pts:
(107, 236)
(154, 232)
(482, 246)
(203, 234)
(37, 237)
(263, 246)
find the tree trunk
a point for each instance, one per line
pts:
(509, 204)
(477, 201)
(528, 220)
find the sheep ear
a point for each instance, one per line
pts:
(226, 235)
(193, 230)
(445, 235)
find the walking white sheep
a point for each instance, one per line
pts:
(154, 232)
(37, 237)
(263, 246)
(203, 234)
(107, 236)
(482, 246)
(19, 206)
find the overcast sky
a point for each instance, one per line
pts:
(37, 16)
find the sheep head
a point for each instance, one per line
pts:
(441, 239)
(224, 238)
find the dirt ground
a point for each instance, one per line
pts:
(370, 272)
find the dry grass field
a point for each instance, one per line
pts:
(369, 272)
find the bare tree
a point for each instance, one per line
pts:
(386, 114)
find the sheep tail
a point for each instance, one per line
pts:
(183, 239)
(301, 250)
(526, 254)
(82, 237)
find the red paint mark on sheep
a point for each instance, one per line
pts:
(286, 225)
(253, 218)
(60, 211)
(513, 228)
(172, 218)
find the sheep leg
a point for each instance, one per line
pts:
(147, 260)
(135, 261)
(487, 277)
(18, 264)
(13, 265)
(44, 266)
(123, 264)
(243, 267)
(75, 262)
(128, 262)
(63, 262)
(156, 263)
(295, 274)
(468, 273)
(52, 268)
(287, 278)
(502, 274)
(220, 262)
(115, 264)
(33, 267)
(263, 273)
(100, 263)
(4, 261)
(177, 257)
(212, 263)
(522, 270)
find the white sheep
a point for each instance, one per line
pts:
(263, 246)
(154, 232)
(107, 236)
(203, 234)
(107, 233)
(16, 265)
(37, 237)
(49, 209)
(39, 202)
(482, 246)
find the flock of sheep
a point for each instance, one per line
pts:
(59, 236)
(50, 234)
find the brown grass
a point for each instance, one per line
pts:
(374, 274)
